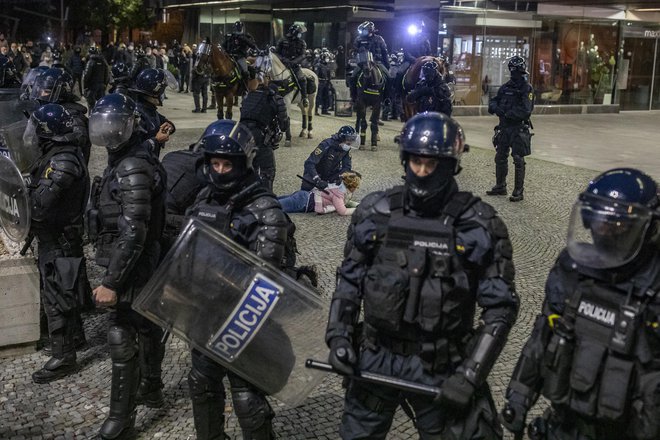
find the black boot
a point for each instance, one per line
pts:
(152, 352)
(208, 408)
(519, 179)
(303, 92)
(79, 340)
(121, 419)
(500, 181)
(63, 361)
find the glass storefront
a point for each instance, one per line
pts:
(638, 82)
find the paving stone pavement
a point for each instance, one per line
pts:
(74, 408)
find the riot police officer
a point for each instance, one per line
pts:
(56, 86)
(513, 104)
(238, 44)
(141, 63)
(418, 259)
(95, 77)
(263, 112)
(58, 64)
(322, 70)
(417, 45)
(330, 159)
(126, 222)
(148, 91)
(291, 50)
(368, 40)
(431, 93)
(59, 188)
(121, 78)
(594, 352)
(9, 77)
(254, 220)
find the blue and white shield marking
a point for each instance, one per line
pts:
(246, 319)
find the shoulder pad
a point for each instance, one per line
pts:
(374, 203)
(485, 216)
(261, 203)
(133, 165)
(66, 162)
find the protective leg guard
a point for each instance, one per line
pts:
(208, 402)
(253, 411)
(151, 354)
(501, 170)
(125, 378)
(63, 361)
(519, 179)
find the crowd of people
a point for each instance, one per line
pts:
(420, 258)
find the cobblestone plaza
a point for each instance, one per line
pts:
(567, 152)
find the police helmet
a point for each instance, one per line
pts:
(151, 82)
(112, 121)
(517, 64)
(238, 27)
(48, 122)
(120, 70)
(613, 219)
(92, 50)
(139, 52)
(52, 85)
(432, 134)
(57, 55)
(231, 140)
(347, 134)
(297, 30)
(430, 69)
(366, 28)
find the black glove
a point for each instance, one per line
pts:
(321, 184)
(457, 391)
(342, 356)
(513, 416)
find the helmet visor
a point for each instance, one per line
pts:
(172, 82)
(30, 139)
(604, 234)
(45, 89)
(110, 130)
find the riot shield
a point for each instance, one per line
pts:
(172, 82)
(14, 201)
(12, 125)
(238, 310)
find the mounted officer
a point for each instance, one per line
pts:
(416, 45)
(59, 189)
(369, 40)
(513, 105)
(431, 93)
(263, 112)
(594, 351)
(238, 45)
(291, 50)
(418, 260)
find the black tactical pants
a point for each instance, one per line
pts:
(200, 85)
(369, 409)
(208, 397)
(324, 95)
(301, 80)
(514, 139)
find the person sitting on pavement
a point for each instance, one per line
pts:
(337, 198)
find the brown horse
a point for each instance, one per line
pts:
(226, 81)
(410, 79)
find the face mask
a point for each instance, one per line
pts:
(345, 147)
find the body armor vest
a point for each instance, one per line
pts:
(96, 70)
(183, 181)
(292, 48)
(511, 96)
(597, 361)
(417, 288)
(257, 107)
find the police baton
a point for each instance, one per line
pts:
(311, 182)
(380, 379)
(26, 246)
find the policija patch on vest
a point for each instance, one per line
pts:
(246, 319)
(597, 313)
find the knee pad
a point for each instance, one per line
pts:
(203, 389)
(501, 157)
(519, 161)
(122, 342)
(252, 409)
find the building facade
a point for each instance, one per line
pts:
(575, 55)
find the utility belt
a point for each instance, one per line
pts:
(440, 355)
(69, 241)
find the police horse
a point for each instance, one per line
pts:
(410, 79)
(370, 87)
(271, 65)
(227, 83)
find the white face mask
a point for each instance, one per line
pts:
(346, 147)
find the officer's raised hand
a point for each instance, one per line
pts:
(457, 391)
(513, 415)
(342, 356)
(104, 297)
